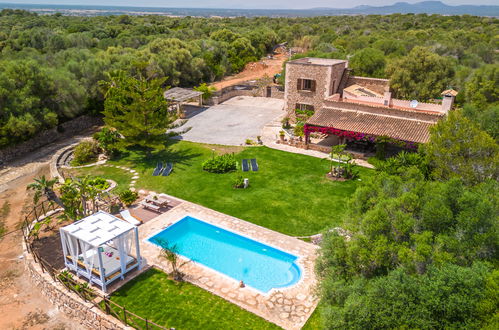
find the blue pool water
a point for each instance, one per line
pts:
(258, 265)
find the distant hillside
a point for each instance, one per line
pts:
(428, 7)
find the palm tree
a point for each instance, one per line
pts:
(44, 187)
(337, 151)
(170, 254)
(87, 192)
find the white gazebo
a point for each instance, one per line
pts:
(99, 247)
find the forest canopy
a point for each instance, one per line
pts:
(50, 65)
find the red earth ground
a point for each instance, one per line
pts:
(253, 71)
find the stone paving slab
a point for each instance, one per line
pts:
(288, 307)
(233, 121)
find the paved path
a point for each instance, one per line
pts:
(233, 121)
(31, 163)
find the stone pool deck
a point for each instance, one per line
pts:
(289, 308)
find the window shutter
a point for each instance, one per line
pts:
(299, 84)
(312, 86)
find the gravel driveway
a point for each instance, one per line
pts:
(234, 121)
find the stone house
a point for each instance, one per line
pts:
(350, 108)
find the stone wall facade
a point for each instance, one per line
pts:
(327, 79)
(83, 313)
(226, 93)
(67, 129)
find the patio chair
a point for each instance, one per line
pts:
(254, 165)
(168, 169)
(245, 165)
(125, 214)
(158, 169)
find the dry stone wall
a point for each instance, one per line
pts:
(67, 129)
(84, 313)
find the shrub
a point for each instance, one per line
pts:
(238, 182)
(99, 183)
(250, 142)
(220, 164)
(298, 130)
(128, 197)
(85, 152)
(206, 90)
(107, 139)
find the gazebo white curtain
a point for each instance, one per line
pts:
(123, 244)
(89, 253)
(72, 247)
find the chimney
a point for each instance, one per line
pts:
(387, 99)
(448, 97)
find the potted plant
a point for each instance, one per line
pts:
(285, 122)
(298, 131)
(281, 135)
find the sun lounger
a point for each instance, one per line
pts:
(245, 165)
(168, 169)
(254, 165)
(158, 169)
(149, 206)
(130, 218)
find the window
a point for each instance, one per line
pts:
(303, 111)
(304, 107)
(306, 85)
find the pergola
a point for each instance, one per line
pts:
(361, 126)
(178, 96)
(99, 248)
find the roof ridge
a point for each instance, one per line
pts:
(380, 115)
(381, 106)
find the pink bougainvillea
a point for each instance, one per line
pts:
(356, 136)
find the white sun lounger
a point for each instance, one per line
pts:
(129, 218)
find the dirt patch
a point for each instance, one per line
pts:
(334, 178)
(22, 306)
(254, 70)
(220, 149)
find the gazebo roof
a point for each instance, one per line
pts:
(98, 228)
(178, 94)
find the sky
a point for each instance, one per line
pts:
(284, 4)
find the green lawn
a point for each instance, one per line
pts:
(121, 177)
(289, 193)
(183, 305)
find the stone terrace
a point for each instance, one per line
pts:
(287, 307)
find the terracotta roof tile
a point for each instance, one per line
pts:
(450, 92)
(374, 124)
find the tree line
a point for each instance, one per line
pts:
(419, 247)
(51, 65)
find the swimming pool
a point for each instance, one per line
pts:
(258, 265)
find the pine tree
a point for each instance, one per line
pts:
(137, 109)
